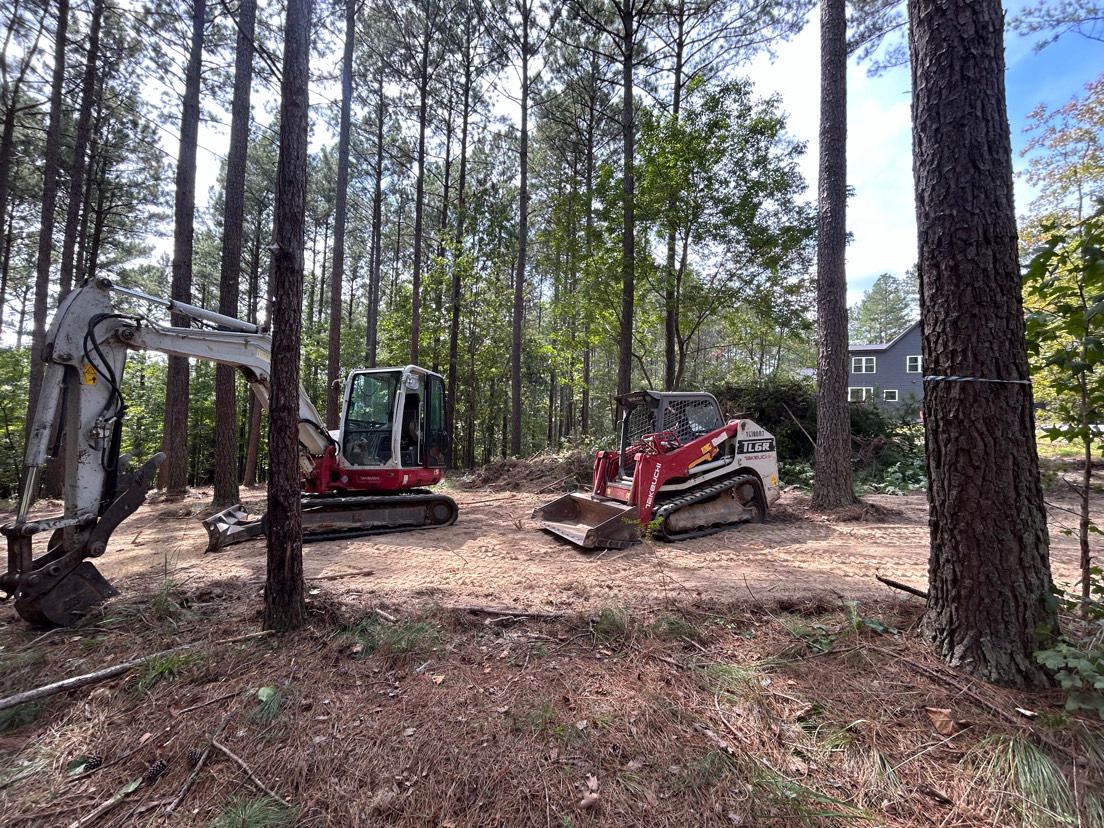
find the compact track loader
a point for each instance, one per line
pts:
(681, 472)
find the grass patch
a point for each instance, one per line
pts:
(801, 802)
(260, 812)
(538, 718)
(1026, 785)
(21, 714)
(673, 628)
(403, 638)
(706, 771)
(733, 680)
(269, 701)
(165, 668)
(612, 625)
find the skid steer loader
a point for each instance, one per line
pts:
(680, 472)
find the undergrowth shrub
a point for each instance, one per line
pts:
(888, 445)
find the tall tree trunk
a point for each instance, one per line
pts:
(628, 232)
(337, 274)
(990, 605)
(5, 262)
(456, 286)
(670, 294)
(226, 402)
(832, 486)
(173, 474)
(523, 242)
(80, 147)
(46, 225)
(419, 199)
(285, 606)
(377, 230)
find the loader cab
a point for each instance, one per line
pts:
(688, 415)
(394, 418)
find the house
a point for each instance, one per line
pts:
(889, 374)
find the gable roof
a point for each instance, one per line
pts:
(884, 346)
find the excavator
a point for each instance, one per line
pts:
(366, 477)
(681, 472)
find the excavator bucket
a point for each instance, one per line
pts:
(231, 526)
(81, 591)
(590, 522)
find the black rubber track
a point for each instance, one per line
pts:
(701, 495)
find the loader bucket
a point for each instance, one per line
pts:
(590, 522)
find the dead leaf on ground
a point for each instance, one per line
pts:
(588, 801)
(592, 782)
(438, 679)
(943, 721)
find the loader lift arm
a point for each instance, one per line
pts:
(86, 349)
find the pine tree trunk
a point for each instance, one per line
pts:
(670, 294)
(376, 264)
(419, 199)
(337, 274)
(285, 606)
(173, 474)
(456, 286)
(80, 148)
(523, 244)
(226, 403)
(628, 233)
(832, 486)
(46, 225)
(990, 605)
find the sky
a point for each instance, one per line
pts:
(881, 215)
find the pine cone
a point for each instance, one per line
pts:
(154, 771)
(92, 762)
(194, 755)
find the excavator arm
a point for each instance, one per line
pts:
(81, 407)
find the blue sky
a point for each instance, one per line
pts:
(880, 214)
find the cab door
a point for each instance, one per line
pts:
(436, 436)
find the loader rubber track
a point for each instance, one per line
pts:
(439, 510)
(700, 496)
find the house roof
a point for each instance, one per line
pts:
(884, 345)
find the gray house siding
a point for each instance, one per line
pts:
(890, 369)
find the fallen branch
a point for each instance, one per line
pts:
(386, 616)
(249, 772)
(553, 483)
(911, 590)
(175, 803)
(108, 672)
(177, 713)
(506, 611)
(337, 575)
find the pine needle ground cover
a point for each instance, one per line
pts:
(784, 713)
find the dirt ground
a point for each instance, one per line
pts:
(496, 555)
(717, 682)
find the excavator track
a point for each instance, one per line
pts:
(333, 517)
(707, 496)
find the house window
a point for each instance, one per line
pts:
(860, 394)
(890, 395)
(912, 364)
(863, 365)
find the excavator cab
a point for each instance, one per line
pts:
(393, 418)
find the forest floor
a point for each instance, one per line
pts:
(756, 677)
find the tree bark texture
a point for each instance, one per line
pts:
(523, 242)
(419, 198)
(337, 272)
(285, 606)
(456, 286)
(46, 226)
(832, 483)
(628, 234)
(376, 263)
(173, 474)
(80, 150)
(989, 571)
(226, 403)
